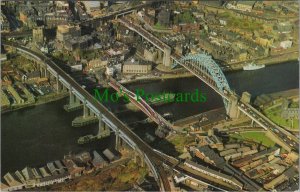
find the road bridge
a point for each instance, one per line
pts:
(103, 114)
(204, 67)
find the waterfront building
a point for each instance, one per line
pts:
(44, 172)
(60, 167)
(53, 170)
(75, 169)
(12, 180)
(36, 173)
(20, 176)
(136, 66)
(29, 177)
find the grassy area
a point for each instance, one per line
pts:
(275, 115)
(258, 137)
(159, 26)
(186, 17)
(237, 22)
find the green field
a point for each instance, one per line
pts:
(259, 137)
(274, 115)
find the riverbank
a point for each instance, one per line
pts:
(272, 60)
(40, 100)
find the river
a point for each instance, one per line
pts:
(40, 134)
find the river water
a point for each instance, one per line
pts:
(40, 134)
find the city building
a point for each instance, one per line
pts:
(150, 54)
(65, 32)
(91, 6)
(163, 17)
(286, 44)
(4, 23)
(137, 66)
(289, 112)
(62, 5)
(59, 17)
(208, 155)
(82, 42)
(97, 63)
(38, 35)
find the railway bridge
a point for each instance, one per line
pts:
(155, 160)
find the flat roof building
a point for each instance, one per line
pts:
(137, 66)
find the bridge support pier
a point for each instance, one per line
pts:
(118, 141)
(74, 103)
(252, 123)
(103, 128)
(58, 84)
(87, 118)
(86, 110)
(42, 74)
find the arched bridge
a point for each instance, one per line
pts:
(205, 68)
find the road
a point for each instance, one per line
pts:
(282, 134)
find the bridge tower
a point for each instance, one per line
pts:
(167, 58)
(233, 111)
